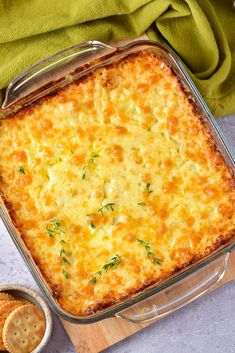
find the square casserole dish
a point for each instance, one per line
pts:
(186, 284)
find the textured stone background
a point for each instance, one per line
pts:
(205, 326)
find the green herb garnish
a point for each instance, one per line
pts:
(112, 263)
(108, 206)
(147, 188)
(65, 273)
(21, 170)
(54, 228)
(93, 280)
(50, 232)
(92, 225)
(64, 260)
(141, 204)
(91, 161)
(62, 252)
(150, 254)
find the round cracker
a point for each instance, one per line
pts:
(5, 309)
(24, 329)
(2, 302)
(6, 296)
(22, 300)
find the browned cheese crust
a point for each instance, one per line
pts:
(115, 183)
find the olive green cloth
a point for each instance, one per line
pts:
(202, 32)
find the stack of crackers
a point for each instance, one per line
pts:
(22, 324)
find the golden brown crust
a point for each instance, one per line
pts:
(128, 136)
(109, 301)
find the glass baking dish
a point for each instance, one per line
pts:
(57, 71)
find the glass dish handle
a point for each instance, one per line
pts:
(149, 310)
(56, 70)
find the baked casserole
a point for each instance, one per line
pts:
(114, 183)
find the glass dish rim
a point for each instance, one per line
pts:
(157, 287)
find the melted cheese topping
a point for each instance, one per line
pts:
(118, 156)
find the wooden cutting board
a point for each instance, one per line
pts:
(96, 337)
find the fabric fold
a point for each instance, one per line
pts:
(202, 33)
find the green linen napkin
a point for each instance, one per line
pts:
(202, 32)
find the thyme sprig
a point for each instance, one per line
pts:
(92, 225)
(112, 263)
(54, 227)
(22, 170)
(147, 188)
(149, 252)
(64, 260)
(108, 206)
(91, 161)
(65, 273)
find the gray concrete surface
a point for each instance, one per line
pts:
(205, 326)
